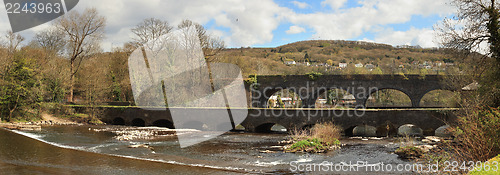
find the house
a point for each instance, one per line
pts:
(290, 62)
(287, 101)
(303, 64)
(438, 63)
(370, 66)
(343, 65)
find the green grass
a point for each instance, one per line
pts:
(493, 167)
(84, 118)
(315, 144)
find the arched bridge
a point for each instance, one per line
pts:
(261, 119)
(309, 87)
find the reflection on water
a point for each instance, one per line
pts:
(101, 153)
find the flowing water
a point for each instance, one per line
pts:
(96, 150)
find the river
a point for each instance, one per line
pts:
(96, 150)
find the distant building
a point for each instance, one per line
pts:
(471, 87)
(438, 63)
(290, 62)
(287, 101)
(304, 64)
(370, 66)
(343, 65)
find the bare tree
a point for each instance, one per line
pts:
(51, 40)
(150, 29)
(13, 41)
(83, 31)
(211, 45)
(474, 26)
(474, 34)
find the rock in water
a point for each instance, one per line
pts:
(443, 131)
(410, 130)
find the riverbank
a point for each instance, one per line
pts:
(46, 119)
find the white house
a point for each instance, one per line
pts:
(343, 65)
(290, 62)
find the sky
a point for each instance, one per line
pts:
(271, 23)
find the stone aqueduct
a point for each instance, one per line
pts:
(361, 86)
(261, 119)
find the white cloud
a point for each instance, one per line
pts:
(334, 4)
(301, 5)
(295, 30)
(369, 17)
(247, 23)
(421, 37)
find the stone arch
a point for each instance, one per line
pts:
(387, 129)
(388, 97)
(338, 95)
(138, 122)
(164, 123)
(364, 130)
(439, 98)
(267, 128)
(118, 121)
(308, 126)
(349, 131)
(292, 98)
(410, 129)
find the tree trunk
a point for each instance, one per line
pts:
(71, 82)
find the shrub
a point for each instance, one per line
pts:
(326, 132)
(409, 152)
(313, 76)
(322, 137)
(477, 132)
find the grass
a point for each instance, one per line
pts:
(409, 152)
(314, 144)
(84, 118)
(490, 168)
(320, 138)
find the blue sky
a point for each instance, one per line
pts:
(270, 23)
